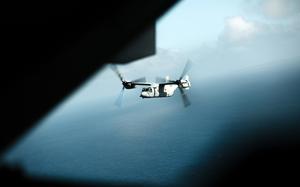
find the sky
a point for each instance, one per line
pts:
(255, 31)
(199, 22)
(237, 48)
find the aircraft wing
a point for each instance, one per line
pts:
(142, 83)
(167, 83)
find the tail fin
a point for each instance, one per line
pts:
(186, 78)
(167, 78)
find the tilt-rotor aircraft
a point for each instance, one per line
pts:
(163, 87)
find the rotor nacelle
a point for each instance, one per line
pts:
(185, 83)
(128, 85)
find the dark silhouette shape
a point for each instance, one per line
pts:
(49, 49)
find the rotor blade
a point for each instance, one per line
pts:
(119, 100)
(142, 79)
(184, 97)
(116, 70)
(187, 67)
(160, 79)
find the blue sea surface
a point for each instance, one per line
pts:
(155, 141)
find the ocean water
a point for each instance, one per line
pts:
(157, 141)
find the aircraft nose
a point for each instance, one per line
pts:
(142, 94)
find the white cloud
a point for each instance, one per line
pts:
(280, 8)
(238, 30)
(274, 9)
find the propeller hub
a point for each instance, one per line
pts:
(128, 85)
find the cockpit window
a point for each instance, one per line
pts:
(147, 89)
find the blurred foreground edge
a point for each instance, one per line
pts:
(51, 48)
